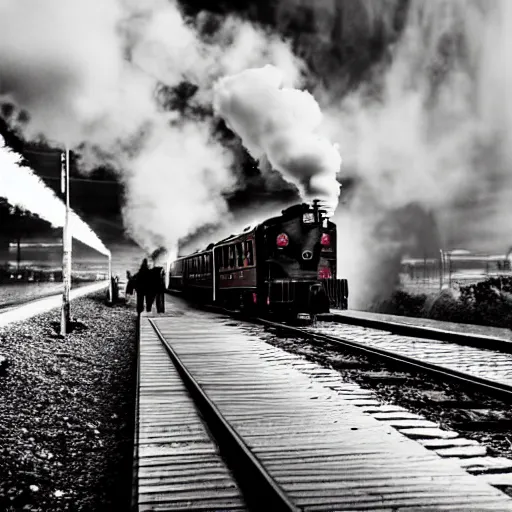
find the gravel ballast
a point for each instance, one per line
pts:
(67, 410)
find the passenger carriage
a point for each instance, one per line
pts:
(286, 265)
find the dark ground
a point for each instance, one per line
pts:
(67, 409)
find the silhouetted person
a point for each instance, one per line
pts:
(142, 286)
(155, 289)
(158, 287)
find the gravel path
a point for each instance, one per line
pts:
(66, 411)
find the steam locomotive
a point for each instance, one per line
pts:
(285, 266)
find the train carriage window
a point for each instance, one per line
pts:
(231, 260)
(239, 255)
(248, 256)
(225, 253)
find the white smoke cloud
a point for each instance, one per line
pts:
(180, 176)
(433, 126)
(279, 125)
(26, 190)
(431, 135)
(87, 71)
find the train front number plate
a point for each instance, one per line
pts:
(308, 218)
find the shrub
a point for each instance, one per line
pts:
(486, 303)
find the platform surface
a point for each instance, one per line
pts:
(37, 306)
(178, 466)
(326, 453)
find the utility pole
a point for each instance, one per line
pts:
(110, 287)
(66, 246)
(441, 269)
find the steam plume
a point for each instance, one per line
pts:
(100, 76)
(277, 125)
(430, 126)
(20, 186)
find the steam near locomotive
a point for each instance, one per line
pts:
(285, 265)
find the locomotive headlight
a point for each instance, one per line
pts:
(282, 240)
(325, 240)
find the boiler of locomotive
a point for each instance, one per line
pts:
(295, 244)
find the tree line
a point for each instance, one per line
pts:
(17, 224)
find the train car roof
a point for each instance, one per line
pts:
(290, 212)
(192, 255)
(247, 231)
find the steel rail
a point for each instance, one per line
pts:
(135, 462)
(417, 331)
(259, 488)
(491, 388)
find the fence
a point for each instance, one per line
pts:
(450, 270)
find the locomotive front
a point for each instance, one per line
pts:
(301, 261)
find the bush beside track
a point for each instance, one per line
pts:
(66, 410)
(488, 303)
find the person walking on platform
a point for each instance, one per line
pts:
(155, 290)
(149, 284)
(142, 286)
(159, 288)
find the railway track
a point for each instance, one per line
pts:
(417, 331)
(484, 370)
(451, 393)
(480, 362)
(258, 486)
(290, 432)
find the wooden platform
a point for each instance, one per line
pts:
(178, 466)
(325, 453)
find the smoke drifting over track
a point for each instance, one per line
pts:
(20, 186)
(427, 124)
(101, 77)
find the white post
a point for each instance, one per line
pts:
(441, 269)
(67, 239)
(110, 290)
